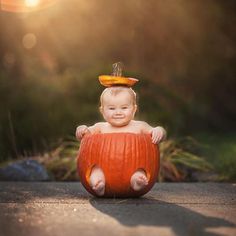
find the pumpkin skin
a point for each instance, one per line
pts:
(110, 80)
(119, 155)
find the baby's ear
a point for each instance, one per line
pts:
(135, 108)
(101, 109)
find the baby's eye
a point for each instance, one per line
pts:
(111, 108)
(125, 107)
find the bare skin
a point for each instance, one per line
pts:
(97, 180)
(118, 111)
(138, 180)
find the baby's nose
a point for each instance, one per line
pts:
(118, 111)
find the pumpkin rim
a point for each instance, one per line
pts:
(126, 132)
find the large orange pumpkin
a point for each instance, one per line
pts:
(119, 155)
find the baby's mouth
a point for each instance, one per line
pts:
(118, 117)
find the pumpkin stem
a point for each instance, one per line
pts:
(117, 69)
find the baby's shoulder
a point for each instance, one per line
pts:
(100, 124)
(97, 127)
(139, 123)
(142, 126)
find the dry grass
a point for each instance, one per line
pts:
(176, 158)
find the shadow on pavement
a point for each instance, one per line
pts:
(181, 220)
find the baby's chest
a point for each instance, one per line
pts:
(125, 129)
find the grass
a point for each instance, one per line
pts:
(179, 160)
(176, 158)
(220, 151)
(61, 162)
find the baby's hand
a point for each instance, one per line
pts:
(158, 134)
(81, 131)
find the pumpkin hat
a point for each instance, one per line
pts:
(116, 77)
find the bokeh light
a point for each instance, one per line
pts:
(29, 41)
(9, 59)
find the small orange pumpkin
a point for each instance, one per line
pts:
(111, 80)
(119, 155)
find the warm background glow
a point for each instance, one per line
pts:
(182, 51)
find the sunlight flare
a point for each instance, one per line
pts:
(25, 5)
(32, 3)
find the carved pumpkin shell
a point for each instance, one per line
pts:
(119, 155)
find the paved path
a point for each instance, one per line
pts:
(65, 209)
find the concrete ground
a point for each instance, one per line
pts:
(55, 208)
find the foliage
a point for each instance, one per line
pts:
(37, 112)
(61, 162)
(175, 158)
(220, 150)
(178, 161)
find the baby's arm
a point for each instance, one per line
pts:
(158, 133)
(83, 129)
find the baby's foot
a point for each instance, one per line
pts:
(97, 181)
(138, 180)
(99, 188)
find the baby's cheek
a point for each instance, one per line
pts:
(109, 114)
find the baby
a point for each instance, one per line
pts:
(118, 107)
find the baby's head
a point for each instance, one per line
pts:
(118, 105)
(115, 90)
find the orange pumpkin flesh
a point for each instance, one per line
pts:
(110, 80)
(119, 155)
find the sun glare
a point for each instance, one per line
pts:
(25, 5)
(32, 3)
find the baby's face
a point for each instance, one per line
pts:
(119, 109)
